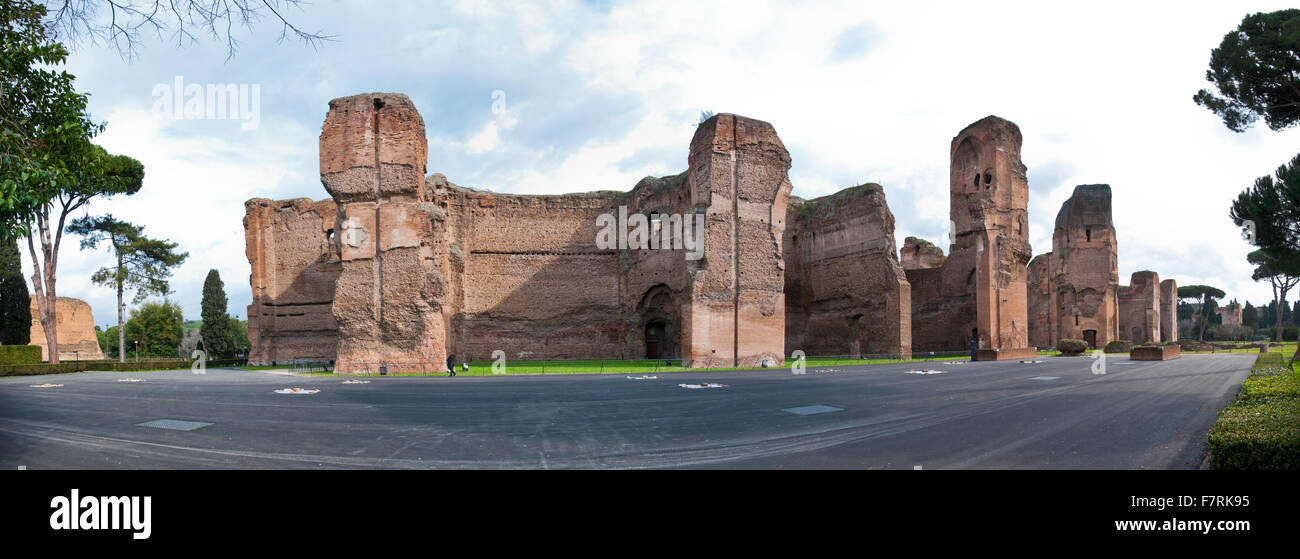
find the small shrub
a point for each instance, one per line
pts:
(1261, 429)
(1071, 346)
(1119, 346)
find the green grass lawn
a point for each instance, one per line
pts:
(596, 366)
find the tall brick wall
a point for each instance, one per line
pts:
(846, 293)
(981, 288)
(294, 269)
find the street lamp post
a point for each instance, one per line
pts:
(137, 350)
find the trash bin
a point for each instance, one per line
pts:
(383, 370)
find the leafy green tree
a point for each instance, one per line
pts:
(93, 173)
(41, 115)
(240, 330)
(158, 327)
(1282, 275)
(218, 338)
(1257, 72)
(15, 303)
(1250, 315)
(143, 264)
(1207, 296)
(109, 340)
(1270, 212)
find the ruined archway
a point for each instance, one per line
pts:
(659, 323)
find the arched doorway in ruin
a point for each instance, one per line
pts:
(658, 321)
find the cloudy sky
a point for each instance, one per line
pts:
(599, 94)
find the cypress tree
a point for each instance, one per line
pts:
(218, 338)
(15, 302)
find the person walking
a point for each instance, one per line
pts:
(451, 363)
(974, 343)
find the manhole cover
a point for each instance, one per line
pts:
(355, 381)
(174, 424)
(703, 385)
(924, 372)
(1044, 378)
(297, 391)
(812, 410)
(651, 377)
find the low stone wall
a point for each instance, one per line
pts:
(1149, 353)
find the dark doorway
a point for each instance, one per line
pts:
(1090, 336)
(654, 338)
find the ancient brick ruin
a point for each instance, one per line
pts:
(845, 291)
(1074, 291)
(979, 290)
(1230, 314)
(76, 331)
(398, 269)
(412, 270)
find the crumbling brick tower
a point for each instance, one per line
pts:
(989, 200)
(738, 178)
(387, 300)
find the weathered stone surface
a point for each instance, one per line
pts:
(1073, 290)
(920, 254)
(1139, 308)
(294, 263)
(981, 289)
(738, 174)
(76, 331)
(389, 294)
(845, 292)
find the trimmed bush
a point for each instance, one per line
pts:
(1119, 346)
(40, 369)
(1261, 429)
(1072, 347)
(20, 354)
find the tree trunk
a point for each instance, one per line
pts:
(121, 329)
(1205, 317)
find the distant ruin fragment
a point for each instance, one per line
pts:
(920, 254)
(1139, 308)
(76, 331)
(1230, 314)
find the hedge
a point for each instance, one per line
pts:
(20, 354)
(79, 366)
(1119, 346)
(1261, 429)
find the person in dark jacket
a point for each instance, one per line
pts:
(451, 364)
(974, 343)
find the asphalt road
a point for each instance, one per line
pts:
(987, 415)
